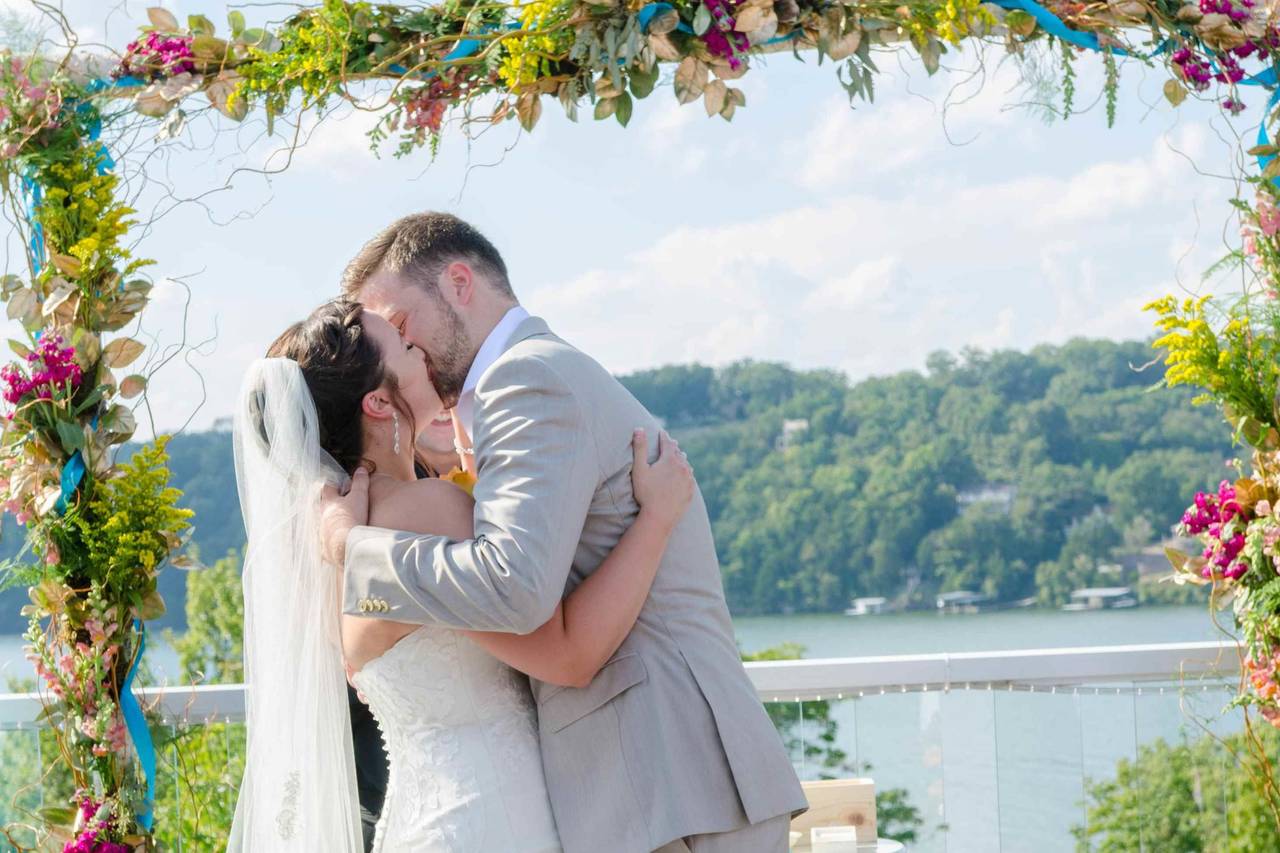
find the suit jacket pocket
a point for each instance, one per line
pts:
(567, 705)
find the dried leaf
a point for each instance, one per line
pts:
(65, 264)
(931, 54)
(122, 352)
(529, 110)
(219, 95)
(163, 19)
(663, 22)
(663, 47)
(151, 102)
(725, 71)
(22, 304)
(132, 385)
(845, 46)
(714, 97)
(767, 29)
(605, 107)
(62, 291)
(605, 87)
(691, 79)
(749, 18)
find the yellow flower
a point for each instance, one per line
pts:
(461, 479)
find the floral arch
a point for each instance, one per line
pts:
(98, 533)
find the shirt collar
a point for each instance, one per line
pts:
(493, 346)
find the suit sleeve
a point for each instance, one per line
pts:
(537, 475)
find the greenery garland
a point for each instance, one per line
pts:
(99, 532)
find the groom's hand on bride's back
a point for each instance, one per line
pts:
(340, 513)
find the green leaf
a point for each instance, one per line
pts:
(643, 82)
(71, 435)
(701, 19)
(95, 396)
(623, 111)
(19, 349)
(1175, 93)
(58, 815)
(200, 25)
(236, 20)
(261, 39)
(209, 47)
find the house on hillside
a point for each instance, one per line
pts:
(999, 495)
(791, 431)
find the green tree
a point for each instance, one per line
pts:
(1186, 797)
(211, 651)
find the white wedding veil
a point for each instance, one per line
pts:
(299, 786)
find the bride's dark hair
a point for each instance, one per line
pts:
(340, 363)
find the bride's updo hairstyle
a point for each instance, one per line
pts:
(340, 363)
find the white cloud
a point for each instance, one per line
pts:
(871, 283)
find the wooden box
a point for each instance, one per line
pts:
(838, 802)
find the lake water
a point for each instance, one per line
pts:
(1000, 771)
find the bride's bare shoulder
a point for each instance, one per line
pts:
(431, 506)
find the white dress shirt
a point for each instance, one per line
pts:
(494, 345)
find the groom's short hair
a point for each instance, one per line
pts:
(421, 245)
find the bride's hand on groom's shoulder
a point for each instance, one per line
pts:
(340, 513)
(664, 488)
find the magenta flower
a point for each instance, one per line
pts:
(51, 367)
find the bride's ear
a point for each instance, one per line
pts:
(377, 404)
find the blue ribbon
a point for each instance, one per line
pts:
(72, 474)
(33, 195)
(464, 48)
(136, 724)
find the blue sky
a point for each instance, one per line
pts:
(945, 215)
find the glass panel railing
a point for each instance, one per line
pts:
(970, 772)
(1033, 768)
(21, 791)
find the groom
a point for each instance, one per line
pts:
(669, 747)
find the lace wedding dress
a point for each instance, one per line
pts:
(461, 737)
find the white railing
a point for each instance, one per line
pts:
(829, 678)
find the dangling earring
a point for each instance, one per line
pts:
(395, 439)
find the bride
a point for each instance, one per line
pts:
(339, 390)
